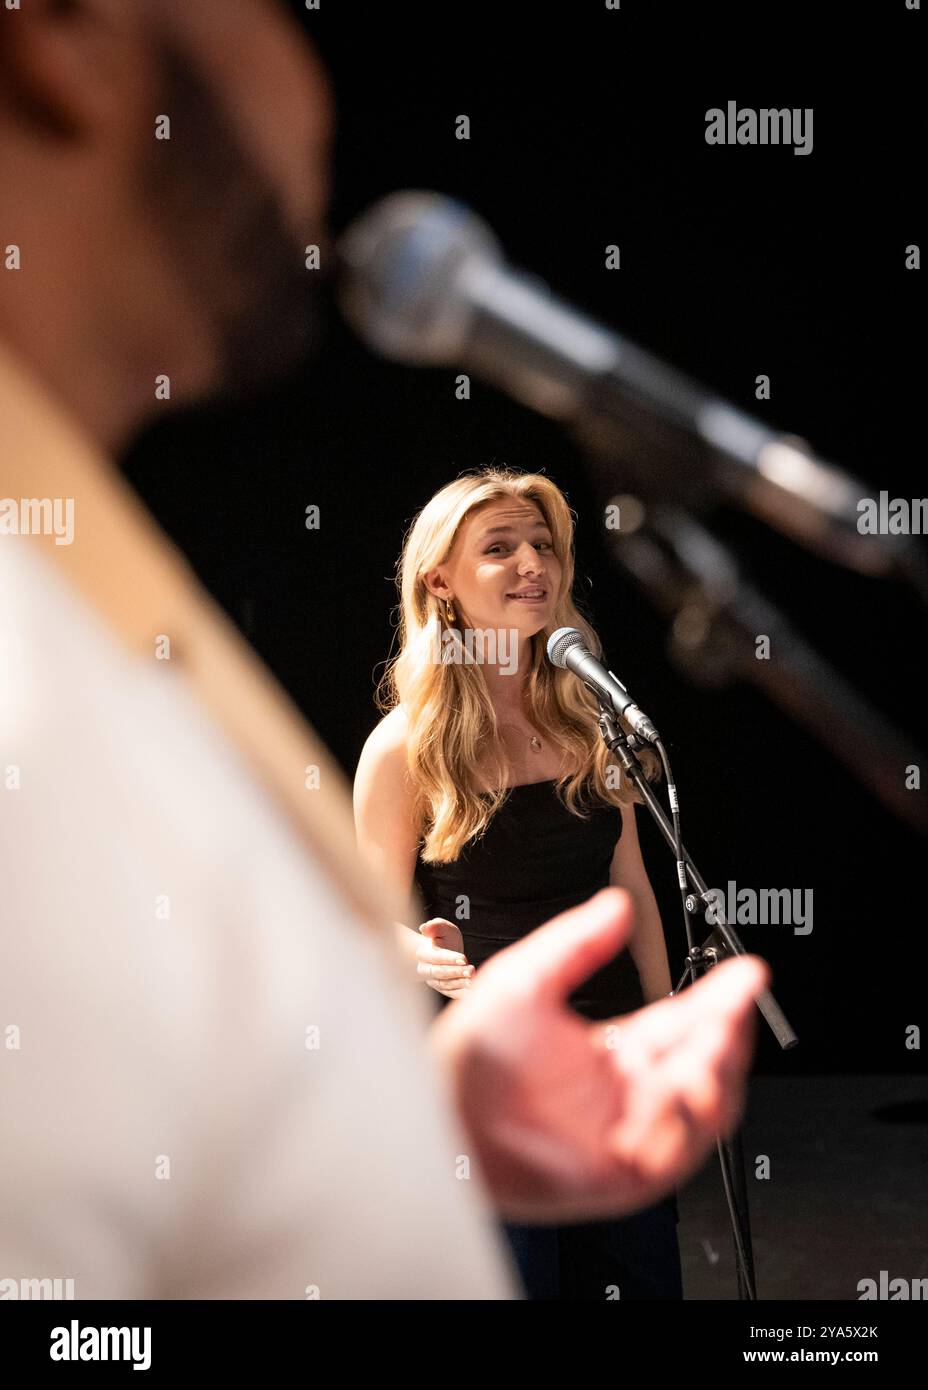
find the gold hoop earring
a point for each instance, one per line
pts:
(449, 613)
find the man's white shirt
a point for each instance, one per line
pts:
(212, 1084)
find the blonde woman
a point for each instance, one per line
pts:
(487, 782)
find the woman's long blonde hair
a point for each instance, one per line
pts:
(451, 722)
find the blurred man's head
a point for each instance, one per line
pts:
(143, 256)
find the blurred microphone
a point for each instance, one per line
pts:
(567, 648)
(422, 279)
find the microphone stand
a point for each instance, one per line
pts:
(715, 617)
(722, 942)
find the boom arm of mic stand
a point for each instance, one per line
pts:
(723, 931)
(717, 617)
(785, 485)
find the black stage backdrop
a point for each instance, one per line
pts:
(587, 128)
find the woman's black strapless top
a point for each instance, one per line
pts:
(534, 860)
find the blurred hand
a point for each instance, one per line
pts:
(575, 1120)
(442, 962)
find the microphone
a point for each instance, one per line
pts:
(423, 281)
(567, 648)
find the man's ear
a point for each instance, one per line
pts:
(65, 65)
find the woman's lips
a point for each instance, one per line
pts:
(540, 596)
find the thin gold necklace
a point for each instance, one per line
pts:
(535, 743)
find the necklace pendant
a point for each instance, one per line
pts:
(536, 743)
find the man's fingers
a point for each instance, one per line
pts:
(690, 1102)
(705, 1099)
(697, 1081)
(708, 1069)
(732, 1064)
(552, 960)
(651, 1032)
(707, 1078)
(727, 991)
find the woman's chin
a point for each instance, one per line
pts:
(530, 626)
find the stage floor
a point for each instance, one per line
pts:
(846, 1198)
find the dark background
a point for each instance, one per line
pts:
(588, 128)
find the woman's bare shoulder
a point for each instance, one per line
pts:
(384, 799)
(384, 753)
(392, 731)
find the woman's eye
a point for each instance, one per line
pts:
(498, 546)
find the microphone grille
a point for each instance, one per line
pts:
(399, 270)
(560, 642)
